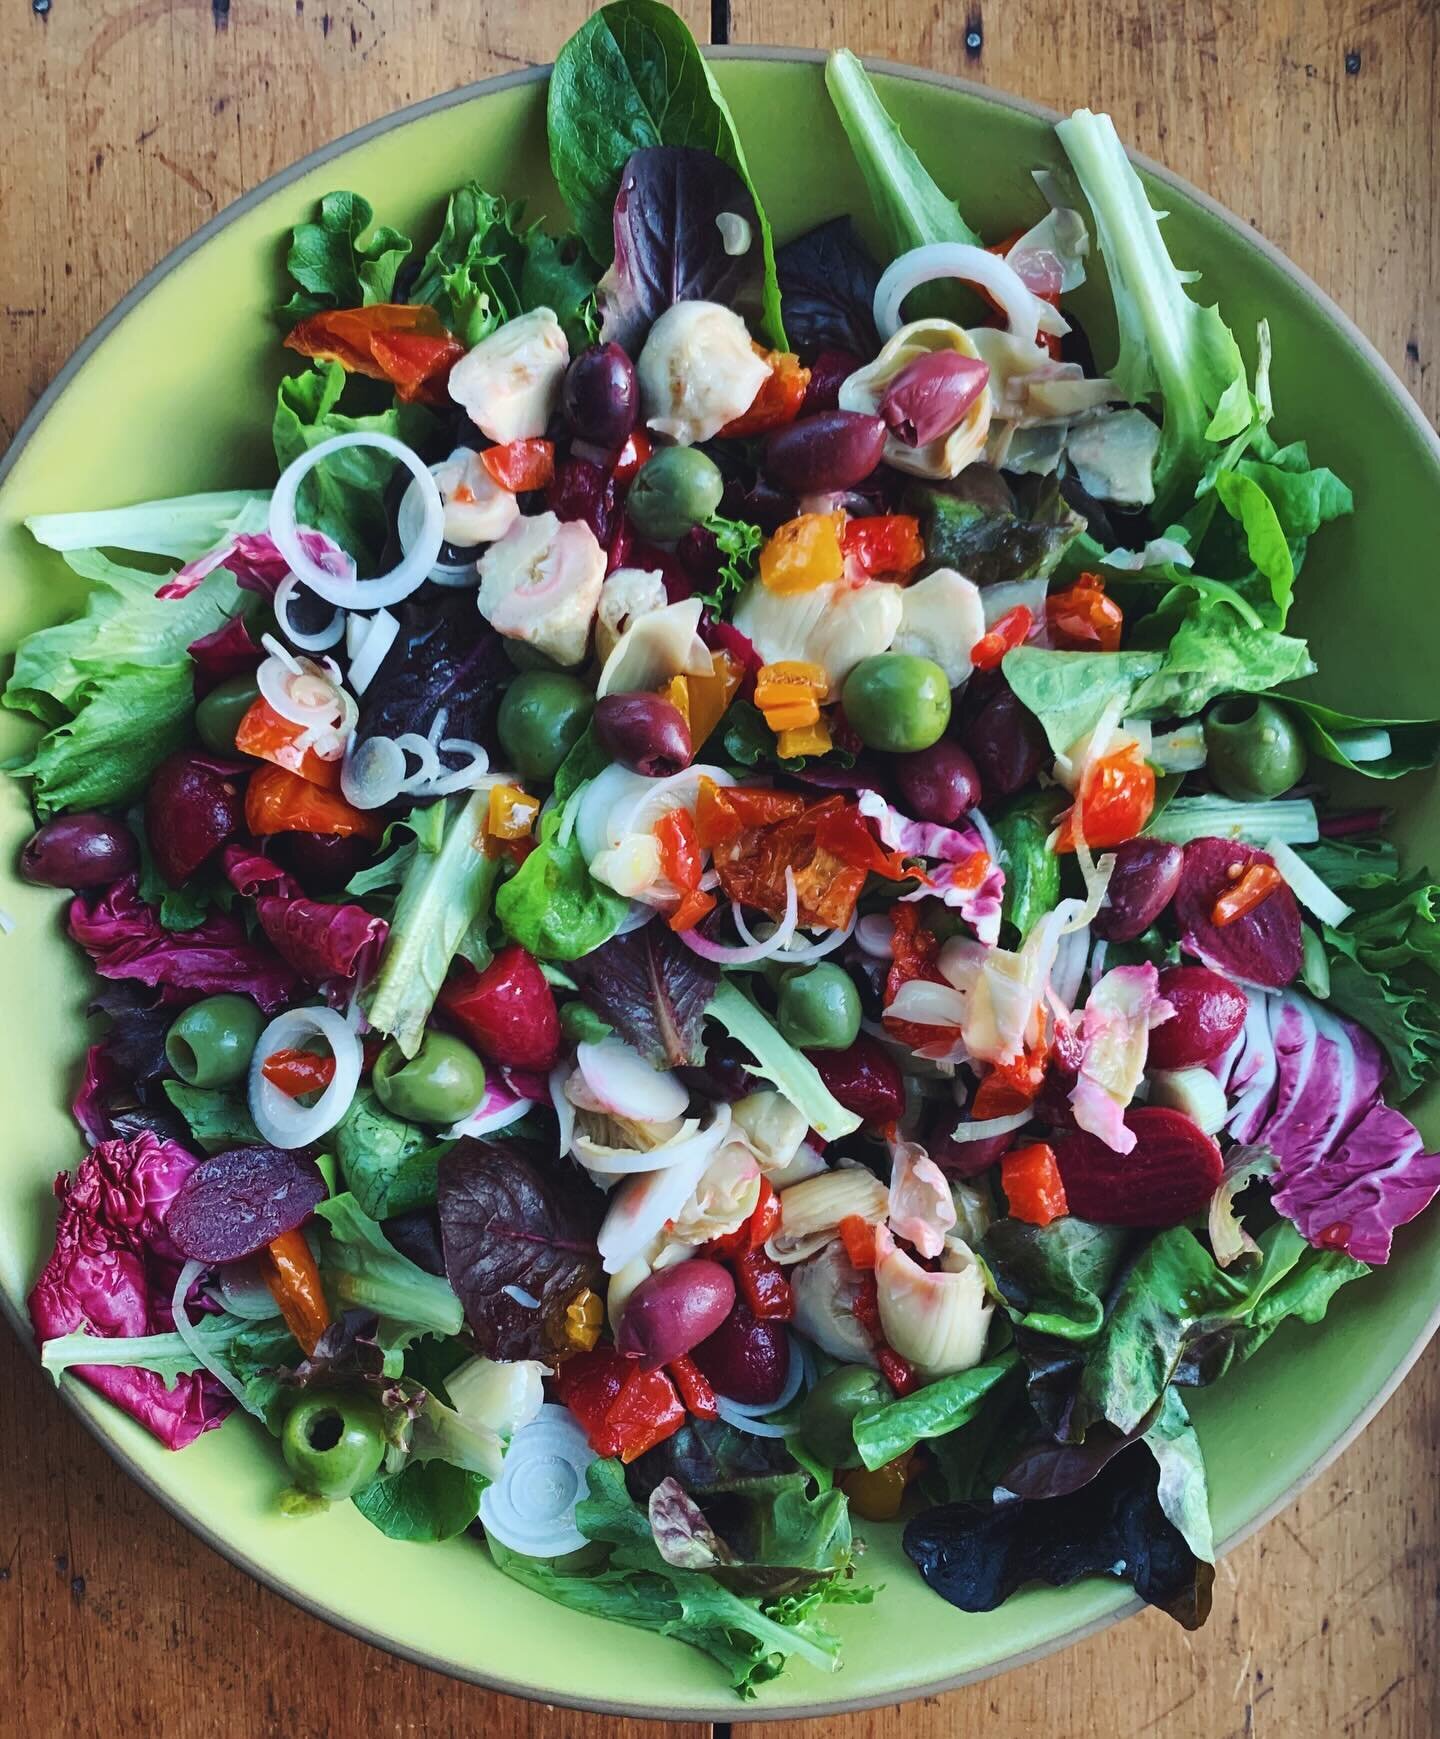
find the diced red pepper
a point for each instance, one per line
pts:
(681, 856)
(296, 1072)
(1118, 795)
(521, 465)
(764, 1287)
(1010, 631)
(1010, 1087)
(858, 1236)
(763, 1223)
(402, 342)
(637, 449)
(694, 1387)
(779, 399)
(624, 1410)
(866, 1308)
(1033, 1186)
(1253, 889)
(914, 951)
(887, 545)
(898, 1373)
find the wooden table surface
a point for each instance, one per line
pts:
(126, 124)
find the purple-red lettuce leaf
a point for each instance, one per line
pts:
(975, 1555)
(256, 563)
(652, 990)
(229, 650)
(125, 939)
(120, 1090)
(519, 1233)
(446, 658)
(112, 1272)
(827, 291)
(669, 247)
(322, 942)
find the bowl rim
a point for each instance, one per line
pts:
(81, 1406)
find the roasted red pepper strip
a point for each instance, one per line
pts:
(1083, 619)
(1008, 633)
(764, 1287)
(779, 399)
(754, 1233)
(297, 1072)
(694, 1387)
(724, 812)
(887, 545)
(858, 1237)
(294, 1282)
(1118, 795)
(1253, 889)
(521, 465)
(914, 951)
(1010, 1087)
(898, 1373)
(277, 801)
(624, 1410)
(404, 343)
(1033, 1186)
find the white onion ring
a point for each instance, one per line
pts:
(467, 778)
(369, 652)
(320, 642)
(283, 1121)
(319, 702)
(990, 1126)
(1024, 310)
(747, 1422)
(373, 774)
(417, 783)
(808, 951)
(350, 593)
(753, 951)
(187, 1331)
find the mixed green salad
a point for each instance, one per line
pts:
(717, 919)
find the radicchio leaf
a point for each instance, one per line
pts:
(827, 290)
(320, 940)
(653, 991)
(257, 564)
(445, 657)
(238, 1202)
(125, 939)
(668, 243)
(228, 650)
(112, 1272)
(516, 1227)
(119, 1092)
(975, 1555)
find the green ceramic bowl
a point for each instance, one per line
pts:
(173, 393)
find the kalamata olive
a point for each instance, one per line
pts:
(600, 399)
(194, 804)
(865, 1078)
(834, 450)
(671, 1311)
(941, 783)
(1004, 739)
(644, 732)
(1142, 885)
(724, 1075)
(745, 1360)
(79, 851)
(969, 1158)
(1209, 1013)
(932, 395)
(829, 369)
(321, 862)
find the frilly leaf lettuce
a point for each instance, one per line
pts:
(1183, 1491)
(364, 1271)
(183, 526)
(335, 264)
(1385, 972)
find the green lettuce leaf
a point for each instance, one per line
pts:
(363, 1270)
(775, 1059)
(336, 264)
(388, 1165)
(1385, 972)
(182, 526)
(425, 1500)
(935, 1410)
(552, 905)
(1053, 1279)
(1183, 1490)
(1414, 743)
(217, 1119)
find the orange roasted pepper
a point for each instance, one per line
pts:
(1033, 1186)
(511, 812)
(779, 399)
(294, 1283)
(1253, 889)
(1083, 619)
(803, 553)
(708, 696)
(1011, 1087)
(1118, 795)
(402, 342)
(521, 465)
(269, 736)
(278, 801)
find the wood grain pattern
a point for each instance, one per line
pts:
(125, 124)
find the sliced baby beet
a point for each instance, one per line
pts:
(1264, 946)
(1209, 1013)
(1171, 1173)
(195, 803)
(238, 1202)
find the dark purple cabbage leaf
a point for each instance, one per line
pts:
(975, 1555)
(653, 991)
(668, 246)
(445, 656)
(827, 291)
(512, 1216)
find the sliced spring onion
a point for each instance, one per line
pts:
(347, 591)
(418, 781)
(319, 642)
(1185, 818)
(373, 773)
(368, 653)
(282, 1120)
(1306, 886)
(1362, 746)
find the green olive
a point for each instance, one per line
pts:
(897, 702)
(829, 1411)
(1253, 749)
(211, 1043)
(542, 717)
(218, 716)
(443, 1082)
(674, 491)
(333, 1443)
(819, 1009)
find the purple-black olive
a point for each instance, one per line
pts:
(1142, 885)
(941, 783)
(79, 851)
(644, 733)
(321, 862)
(1004, 740)
(600, 397)
(835, 450)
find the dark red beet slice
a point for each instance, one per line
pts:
(1171, 1173)
(195, 803)
(1263, 947)
(1209, 1013)
(238, 1202)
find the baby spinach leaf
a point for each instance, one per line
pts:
(552, 905)
(882, 1433)
(1054, 1279)
(387, 1164)
(426, 1500)
(1414, 743)
(218, 1120)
